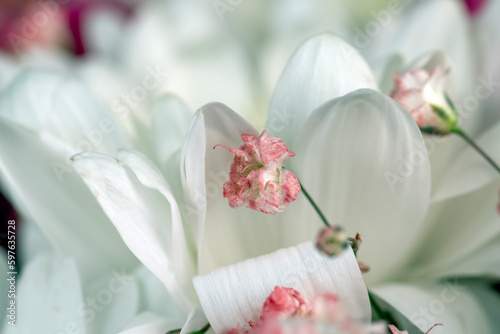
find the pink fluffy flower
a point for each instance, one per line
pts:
(285, 302)
(423, 94)
(257, 179)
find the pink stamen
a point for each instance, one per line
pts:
(435, 325)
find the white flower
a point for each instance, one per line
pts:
(321, 129)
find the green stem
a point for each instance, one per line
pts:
(315, 206)
(381, 313)
(201, 331)
(462, 134)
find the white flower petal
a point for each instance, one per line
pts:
(8, 69)
(235, 294)
(49, 298)
(48, 192)
(363, 160)
(153, 326)
(170, 122)
(196, 321)
(483, 262)
(148, 222)
(115, 299)
(322, 68)
(459, 230)
(34, 243)
(469, 171)
(101, 31)
(460, 307)
(49, 101)
(154, 298)
(27, 99)
(149, 175)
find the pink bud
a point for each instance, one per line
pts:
(257, 179)
(423, 94)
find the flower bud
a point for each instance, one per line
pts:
(257, 179)
(422, 93)
(332, 240)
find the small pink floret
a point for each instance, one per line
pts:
(257, 179)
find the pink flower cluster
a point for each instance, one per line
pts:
(287, 311)
(257, 179)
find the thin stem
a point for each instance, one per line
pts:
(462, 134)
(315, 206)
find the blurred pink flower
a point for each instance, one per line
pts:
(48, 24)
(286, 311)
(475, 6)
